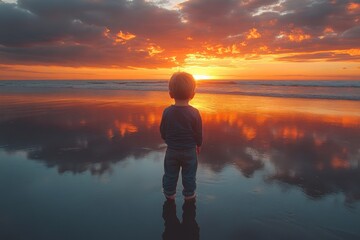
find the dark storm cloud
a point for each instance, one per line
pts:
(352, 33)
(75, 55)
(21, 27)
(138, 33)
(85, 33)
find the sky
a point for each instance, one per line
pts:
(212, 39)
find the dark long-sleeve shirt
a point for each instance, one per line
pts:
(181, 127)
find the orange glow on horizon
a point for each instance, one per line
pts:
(199, 77)
(266, 67)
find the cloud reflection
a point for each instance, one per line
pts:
(319, 154)
(82, 138)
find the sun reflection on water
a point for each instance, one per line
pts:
(95, 131)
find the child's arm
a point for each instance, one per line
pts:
(162, 126)
(198, 133)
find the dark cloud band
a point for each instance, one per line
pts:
(139, 33)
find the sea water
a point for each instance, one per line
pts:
(84, 160)
(343, 90)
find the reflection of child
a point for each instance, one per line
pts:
(188, 229)
(181, 128)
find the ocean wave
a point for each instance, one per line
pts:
(94, 82)
(335, 90)
(299, 83)
(146, 82)
(304, 96)
(219, 82)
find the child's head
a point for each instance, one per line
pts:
(182, 86)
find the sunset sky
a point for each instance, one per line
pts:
(219, 39)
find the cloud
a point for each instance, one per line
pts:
(147, 34)
(352, 33)
(308, 152)
(322, 56)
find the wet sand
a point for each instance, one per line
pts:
(88, 164)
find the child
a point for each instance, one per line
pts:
(181, 128)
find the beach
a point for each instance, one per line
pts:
(87, 162)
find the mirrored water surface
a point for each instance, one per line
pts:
(87, 164)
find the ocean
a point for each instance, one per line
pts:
(84, 160)
(341, 90)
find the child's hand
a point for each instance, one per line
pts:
(198, 149)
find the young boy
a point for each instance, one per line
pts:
(181, 128)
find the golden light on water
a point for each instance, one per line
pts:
(248, 119)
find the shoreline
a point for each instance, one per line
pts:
(337, 90)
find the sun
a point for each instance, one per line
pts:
(201, 77)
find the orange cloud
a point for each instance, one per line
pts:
(352, 7)
(124, 37)
(146, 35)
(253, 34)
(295, 35)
